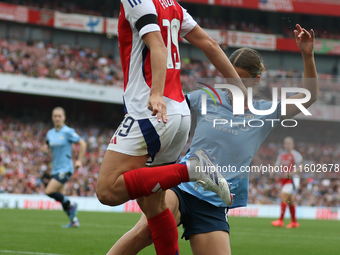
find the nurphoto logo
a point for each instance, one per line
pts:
(238, 104)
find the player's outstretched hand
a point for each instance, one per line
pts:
(157, 105)
(78, 164)
(304, 40)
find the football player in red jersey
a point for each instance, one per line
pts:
(157, 121)
(289, 159)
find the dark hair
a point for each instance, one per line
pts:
(248, 60)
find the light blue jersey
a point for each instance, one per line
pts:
(230, 146)
(60, 143)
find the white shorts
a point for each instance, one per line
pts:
(288, 188)
(163, 142)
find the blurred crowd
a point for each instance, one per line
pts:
(105, 8)
(242, 26)
(312, 192)
(111, 9)
(315, 189)
(83, 64)
(36, 59)
(24, 169)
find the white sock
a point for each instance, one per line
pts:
(193, 169)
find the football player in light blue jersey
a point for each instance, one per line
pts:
(203, 214)
(60, 139)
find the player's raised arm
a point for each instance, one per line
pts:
(82, 150)
(305, 41)
(158, 57)
(199, 38)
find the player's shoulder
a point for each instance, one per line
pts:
(50, 131)
(195, 95)
(67, 129)
(296, 153)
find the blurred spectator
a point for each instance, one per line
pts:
(82, 64)
(64, 62)
(105, 8)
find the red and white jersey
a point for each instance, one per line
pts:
(289, 160)
(137, 18)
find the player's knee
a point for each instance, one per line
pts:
(108, 199)
(105, 196)
(49, 193)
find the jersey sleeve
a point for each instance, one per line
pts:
(297, 158)
(72, 136)
(188, 23)
(48, 138)
(142, 15)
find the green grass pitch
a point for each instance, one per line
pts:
(34, 232)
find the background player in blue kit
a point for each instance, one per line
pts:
(60, 139)
(203, 214)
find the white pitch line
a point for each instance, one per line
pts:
(26, 252)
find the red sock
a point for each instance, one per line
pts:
(143, 182)
(164, 233)
(292, 212)
(283, 210)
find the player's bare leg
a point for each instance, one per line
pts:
(139, 236)
(134, 240)
(147, 204)
(54, 186)
(216, 243)
(117, 183)
(163, 226)
(285, 197)
(55, 190)
(131, 180)
(111, 189)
